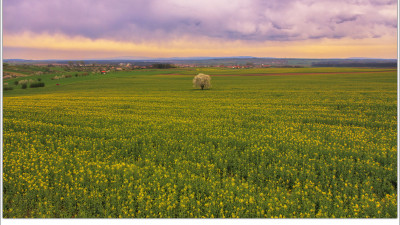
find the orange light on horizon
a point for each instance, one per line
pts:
(81, 47)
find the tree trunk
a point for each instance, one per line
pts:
(202, 86)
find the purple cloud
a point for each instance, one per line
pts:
(160, 20)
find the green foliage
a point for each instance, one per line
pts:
(7, 88)
(35, 85)
(163, 66)
(24, 86)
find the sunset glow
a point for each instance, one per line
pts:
(95, 29)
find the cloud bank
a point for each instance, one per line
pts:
(167, 20)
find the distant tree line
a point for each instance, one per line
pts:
(355, 64)
(163, 65)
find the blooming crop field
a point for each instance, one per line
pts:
(147, 144)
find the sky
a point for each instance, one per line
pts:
(97, 29)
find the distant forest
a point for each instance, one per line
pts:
(354, 64)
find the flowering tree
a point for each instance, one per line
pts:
(202, 81)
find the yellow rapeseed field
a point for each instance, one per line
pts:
(147, 146)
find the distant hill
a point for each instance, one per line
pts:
(227, 61)
(357, 62)
(174, 58)
(17, 60)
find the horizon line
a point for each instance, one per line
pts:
(192, 58)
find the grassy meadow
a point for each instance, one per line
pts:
(146, 144)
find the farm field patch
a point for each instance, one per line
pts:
(146, 144)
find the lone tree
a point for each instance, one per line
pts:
(202, 81)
